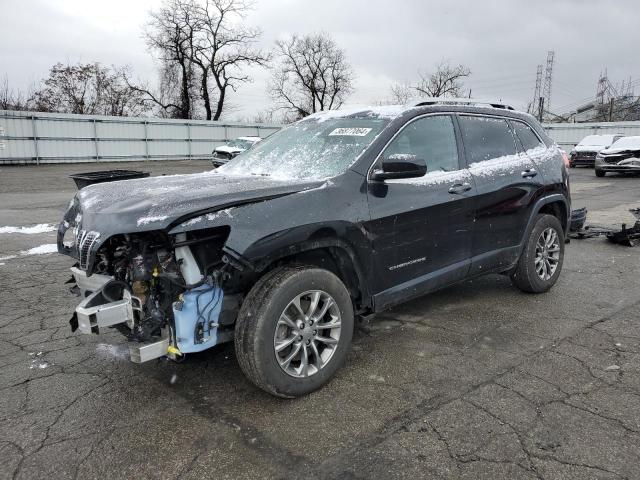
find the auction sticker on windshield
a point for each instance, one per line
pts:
(351, 132)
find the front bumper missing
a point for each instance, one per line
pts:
(95, 312)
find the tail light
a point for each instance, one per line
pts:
(565, 159)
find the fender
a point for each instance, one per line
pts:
(258, 263)
(553, 198)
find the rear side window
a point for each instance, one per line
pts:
(431, 139)
(527, 136)
(486, 138)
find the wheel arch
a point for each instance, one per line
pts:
(323, 251)
(556, 205)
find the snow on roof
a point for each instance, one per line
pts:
(381, 111)
(631, 143)
(250, 139)
(597, 140)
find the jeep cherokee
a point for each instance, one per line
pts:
(332, 219)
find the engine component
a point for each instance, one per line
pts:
(188, 265)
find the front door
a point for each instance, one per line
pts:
(421, 227)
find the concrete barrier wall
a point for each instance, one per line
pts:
(34, 138)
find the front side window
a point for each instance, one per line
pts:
(431, 139)
(527, 136)
(486, 138)
(310, 149)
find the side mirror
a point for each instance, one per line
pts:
(400, 165)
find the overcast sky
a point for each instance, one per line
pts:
(502, 41)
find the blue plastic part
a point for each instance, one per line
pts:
(199, 309)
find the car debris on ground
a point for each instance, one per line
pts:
(629, 237)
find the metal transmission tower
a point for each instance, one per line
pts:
(548, 76)
(536, 92)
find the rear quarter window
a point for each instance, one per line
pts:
(527, 136)
(486, 138)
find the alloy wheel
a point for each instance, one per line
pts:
(547, 253)
(307, 333)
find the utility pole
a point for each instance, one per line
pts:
(611, 100)
(540, 108)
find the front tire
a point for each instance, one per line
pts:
(294, 330)
(541, 261)
(600, 173)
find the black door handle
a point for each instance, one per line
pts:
(529, 173)
(459, 188)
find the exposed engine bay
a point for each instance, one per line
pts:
(164, 293)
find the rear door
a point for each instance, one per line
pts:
(506, 179)
(421, 227)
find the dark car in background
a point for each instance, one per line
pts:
(584, 153)
(325, 223)
(622, 157)
(232, 149)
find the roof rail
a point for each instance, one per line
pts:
(421, 102)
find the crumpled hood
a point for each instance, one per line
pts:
(155, 203)
(612, 151)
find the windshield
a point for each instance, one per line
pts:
(312, 148)
(597, 140)
(632, 143)
(238, 143)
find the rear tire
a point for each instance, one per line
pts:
(541, 261)
(600, 173)
(270, 319)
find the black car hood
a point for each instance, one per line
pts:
(158, 202)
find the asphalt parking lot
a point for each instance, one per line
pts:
(475, 381)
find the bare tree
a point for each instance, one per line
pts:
(313, 74)
(401, 93)
(86, 89)
(446, 81)
(170, 34)
(223, 47)
(11, 99)
(202, 46)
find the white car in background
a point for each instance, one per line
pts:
(584, 153)
(224, 153)
(622, 157)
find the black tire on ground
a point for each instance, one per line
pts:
(600, 173)
(525, 276)
(257, 322)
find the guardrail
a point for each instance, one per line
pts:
(35, 138)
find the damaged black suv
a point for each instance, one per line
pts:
(334, 218)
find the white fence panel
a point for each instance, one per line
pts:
(33, 138)
(568, 135)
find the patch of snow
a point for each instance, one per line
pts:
(433, 178)
(380, 111)
(625, 143)
(226, 212)
(113, 351)
(505, 165)
(39, 228)
(7, 258)
(147, 220)
(41, 250)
